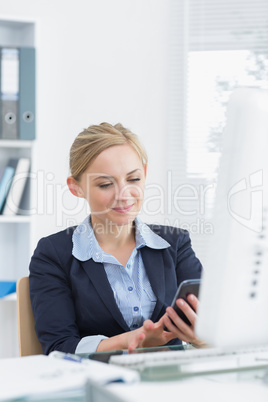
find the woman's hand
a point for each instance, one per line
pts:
(180, 329)
(150, 334)
(153, 334)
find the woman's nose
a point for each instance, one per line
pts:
(128, 191)
(123, 191)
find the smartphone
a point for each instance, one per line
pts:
(186, 287)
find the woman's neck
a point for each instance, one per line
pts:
(112, 236)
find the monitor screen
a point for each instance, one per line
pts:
(233, 307)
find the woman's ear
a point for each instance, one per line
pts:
(145, 170)
(74, 187)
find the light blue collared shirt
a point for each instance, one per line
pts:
(131, 287)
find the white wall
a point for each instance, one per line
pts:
(97, 60)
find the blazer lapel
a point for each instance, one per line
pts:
(154, 266)
(96, 273)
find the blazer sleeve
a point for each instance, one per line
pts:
(51, 298)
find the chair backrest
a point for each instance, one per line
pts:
(28, 341)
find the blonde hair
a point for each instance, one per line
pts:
(95, 139)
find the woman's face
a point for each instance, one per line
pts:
(113, 185)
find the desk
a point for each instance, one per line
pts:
(246, 386)
(42, 378)
(233, 385)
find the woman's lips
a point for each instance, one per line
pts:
(123, 210)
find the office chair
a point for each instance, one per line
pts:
(28, 341)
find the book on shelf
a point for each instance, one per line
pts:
(7, 288)
(16, 187)
(6, 176)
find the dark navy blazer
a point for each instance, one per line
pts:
(72, 299)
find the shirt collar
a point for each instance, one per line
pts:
(146, 237)
(85, 245)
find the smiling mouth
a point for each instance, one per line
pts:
(123, 210)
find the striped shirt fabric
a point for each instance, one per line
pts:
(130, 284)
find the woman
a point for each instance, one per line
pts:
(107, 283)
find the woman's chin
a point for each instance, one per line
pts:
(124, 220)
(115, 218)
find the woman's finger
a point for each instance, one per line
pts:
(193, 300)
(174, 330)
(148, 325)
(136, 342)
(179, 323)
(186, 330)
(180, 329)
(187, 310)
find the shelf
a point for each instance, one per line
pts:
(15, 230)
(16, 32)
(15, 144)
(15, 219)
(12, 297)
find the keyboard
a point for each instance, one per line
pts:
(194, 361)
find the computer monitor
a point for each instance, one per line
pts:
(233, 307)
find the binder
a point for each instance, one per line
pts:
(27, 93)
(14, 197)
(9, 92)
(17, 80)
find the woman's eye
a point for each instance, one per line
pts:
(136, 179)
(106, 185)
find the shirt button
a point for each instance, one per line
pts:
(136, 308)
(97, 256)
(128, 265)
(135, 326)
(130, 288)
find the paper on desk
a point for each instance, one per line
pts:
(35, 375)
(100, 373)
